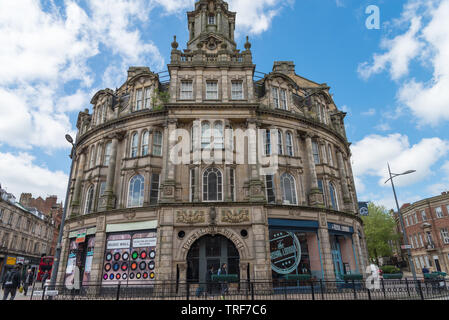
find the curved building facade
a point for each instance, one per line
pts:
(215, 166)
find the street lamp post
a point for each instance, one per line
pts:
(61, 228)
(401, 219)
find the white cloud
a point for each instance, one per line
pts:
(371, 155)
(21, 174)
(369, 113)
(425, 41)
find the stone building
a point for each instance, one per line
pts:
(25, 235)
(213, 166)
(50, 208)
(427, 227)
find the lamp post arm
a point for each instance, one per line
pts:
(61, 227)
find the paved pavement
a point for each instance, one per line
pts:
(21, 296)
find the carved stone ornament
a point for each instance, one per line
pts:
(237, 216)
(131, 215)
(190, 216)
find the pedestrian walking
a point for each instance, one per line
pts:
(44, 278)
(29, 278)
(11, 283)
(209, 274)
(224, 286)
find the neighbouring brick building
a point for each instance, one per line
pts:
(50, 208)
(286, 206)
(427, 228)
(25, 234)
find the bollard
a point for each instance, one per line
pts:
(313, 291)
(118, 291)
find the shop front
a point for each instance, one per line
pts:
(295, 251)
(342, 249)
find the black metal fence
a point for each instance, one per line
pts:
(257, 290)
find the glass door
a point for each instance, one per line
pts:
(336, 258)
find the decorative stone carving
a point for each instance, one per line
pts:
(238, 216)
(190, 216)
(130, 215)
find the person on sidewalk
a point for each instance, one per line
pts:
(11, 283)
(29, 278)
(224, 286)
(44, 278)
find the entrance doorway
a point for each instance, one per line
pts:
(211, 251)
(336, 257)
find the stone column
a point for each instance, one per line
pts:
(79, 178)
(164, 247)
(107, 201)
(168, 185)
(325, 248)
(99, 250)
(344, 182)
(261, 243)
(316, 197)
(256, 193)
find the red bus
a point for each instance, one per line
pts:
(45, 264)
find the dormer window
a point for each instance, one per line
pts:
(212, 20)
(279, 98)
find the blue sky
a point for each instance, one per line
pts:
(391, 81)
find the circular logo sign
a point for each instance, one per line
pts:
(285, 252)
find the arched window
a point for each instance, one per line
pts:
(157, 143)
(333, 196)
(136, 191)
(212, 185)
(145, 143)
(134, 145)
(316, 152)
(280, 143)
(89, 200)
(267, 142)
(289, 144)
(288, 189)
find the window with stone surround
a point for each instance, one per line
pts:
(283, 99)
(444, 235)
(439, 212)
(333, 196)
(289, 144)
(280, 143)
(232, 183)
(237, 90)
(139, 99)
(147, 98)
(134, 145)
(269, 187)
(212, 90)
(423, 215)
(89, 200)
(186, 90)
(157, 143)
(136, 191)
(316, 152)
(145, 143)
(211, 19)
(192, 185)
(212, 185)
(288, 186)
(154, 188)
(107, 153)
(267, 142)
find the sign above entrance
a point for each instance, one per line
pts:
(81, 236)
(144, 242)
(118, 244)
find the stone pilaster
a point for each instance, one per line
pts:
(256, 186)
(344, 182)
(325, 248)
(75, 210)
(107, 201)
(316, 197)
(168, 186)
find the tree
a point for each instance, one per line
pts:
(380, 228)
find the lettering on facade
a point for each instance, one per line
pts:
(212, 230)
(190, 216)
(238, 216)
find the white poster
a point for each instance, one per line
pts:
(144, 242)
(119, 244)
